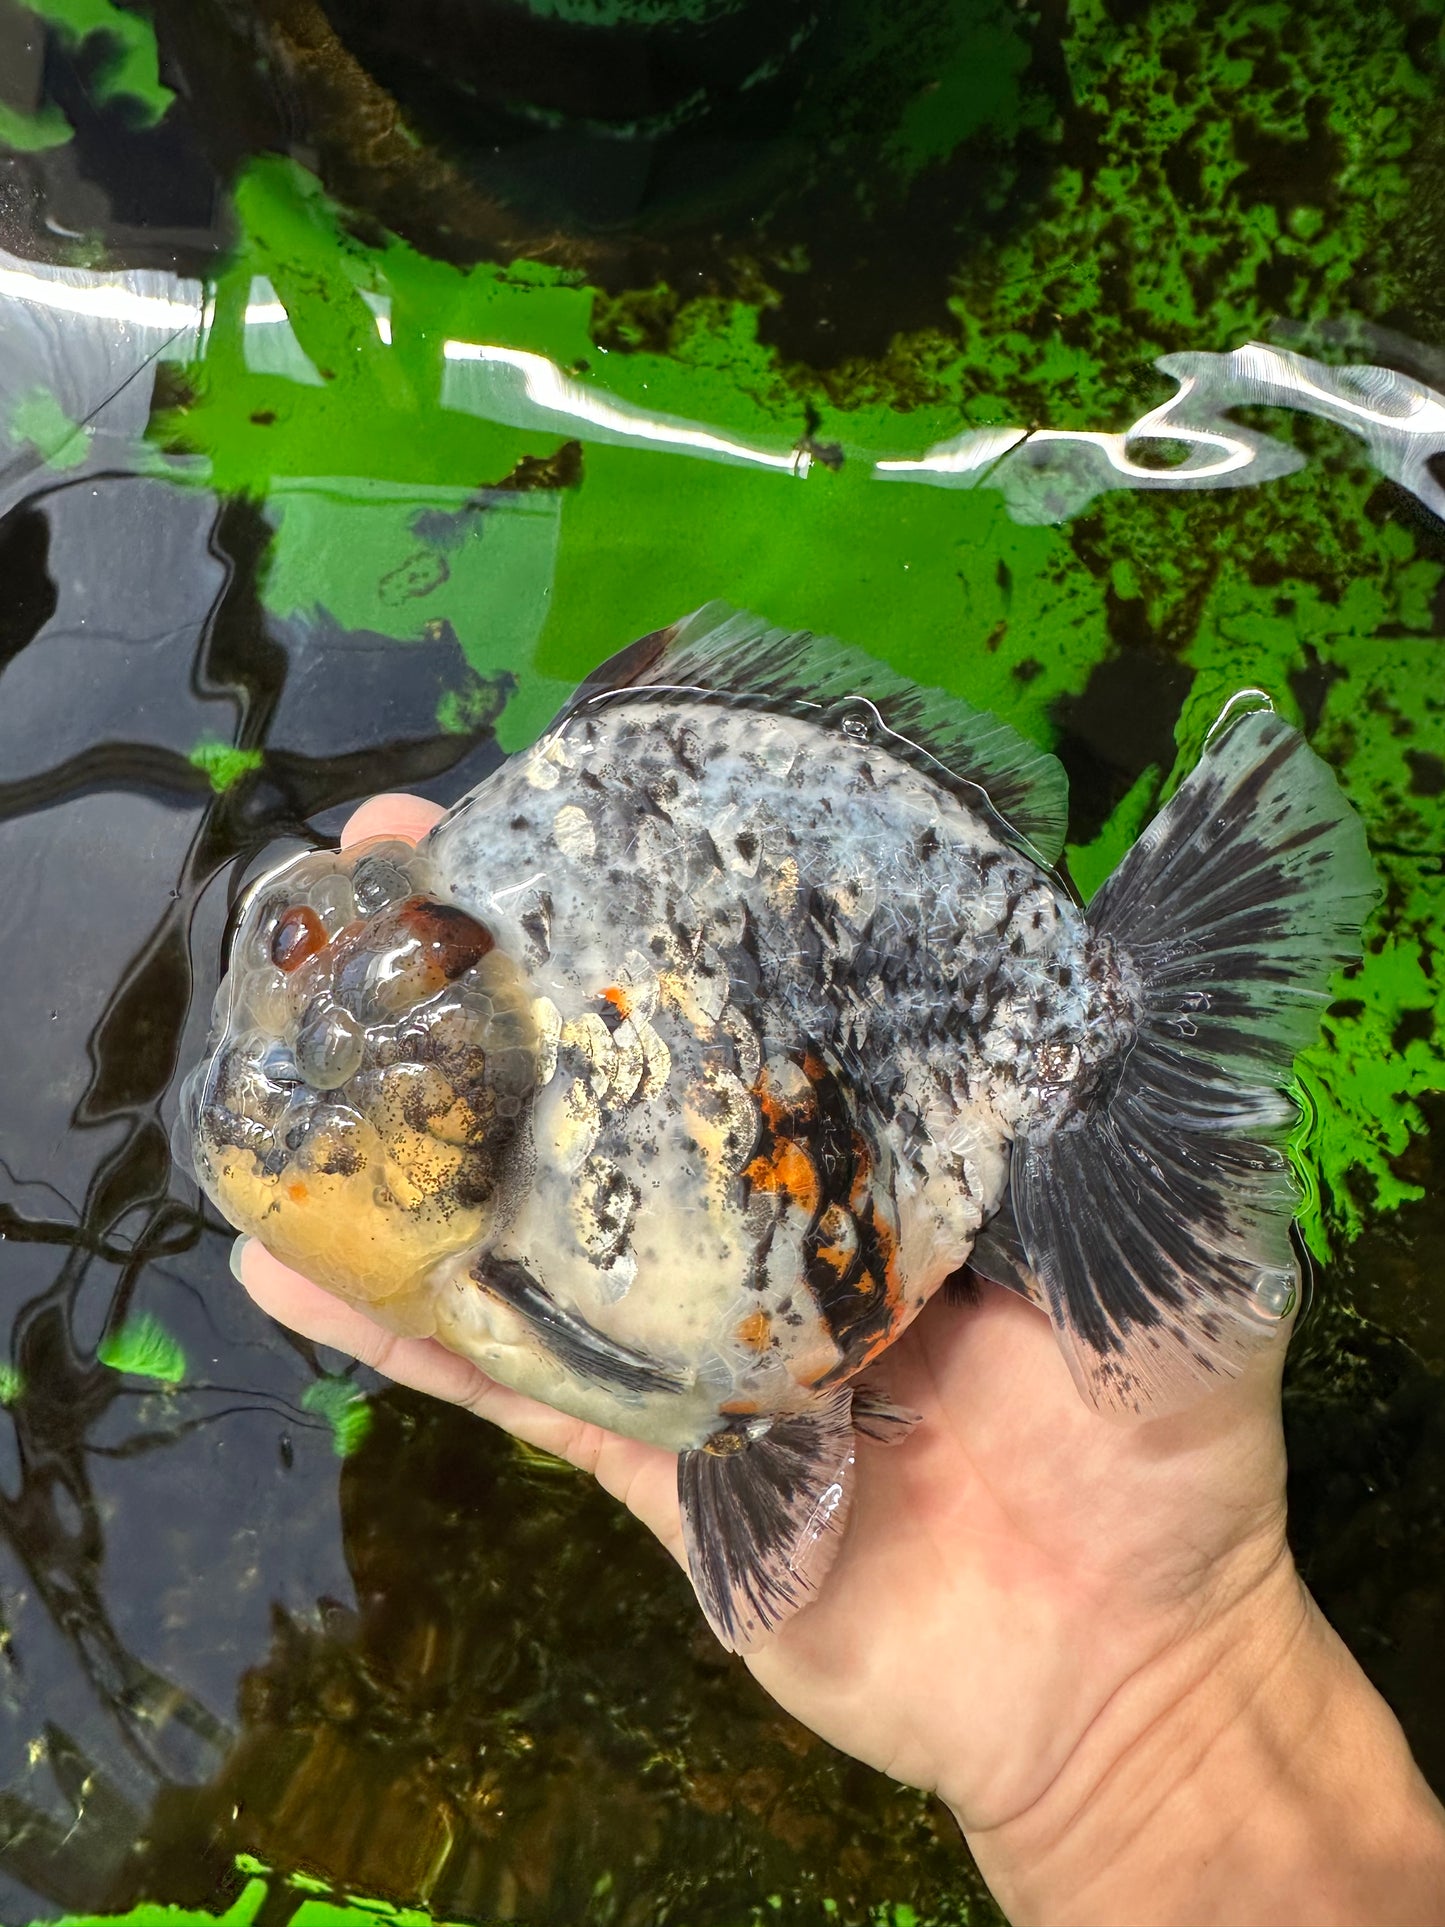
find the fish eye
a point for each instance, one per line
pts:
(299, 935)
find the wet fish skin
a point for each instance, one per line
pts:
(801, 998)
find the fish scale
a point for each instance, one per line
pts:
(680, 1065)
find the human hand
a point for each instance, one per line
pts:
(1089, 1638)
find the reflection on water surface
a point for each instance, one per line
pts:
(293, 509)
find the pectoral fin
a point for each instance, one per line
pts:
(762, 1519)
(580, 1347)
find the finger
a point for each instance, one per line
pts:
(643, 1477)
(395, 814)
(303, 1306)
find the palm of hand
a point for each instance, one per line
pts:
(1018, 1558)
(1007, 1568)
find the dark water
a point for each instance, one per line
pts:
(436, 1668)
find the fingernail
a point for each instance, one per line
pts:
(238, 1252)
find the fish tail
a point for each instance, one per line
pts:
(1156, 1213)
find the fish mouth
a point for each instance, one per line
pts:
(364, 1099)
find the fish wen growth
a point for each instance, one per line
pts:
(671, 1074)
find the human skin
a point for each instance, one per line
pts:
(1088, 1638)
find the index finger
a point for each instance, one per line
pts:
(394, 814)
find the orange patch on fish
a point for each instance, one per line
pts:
(783, 1107)
(449, 941)
(299, 936)
(756, 1331)
(787, 1169)
(862, 1172)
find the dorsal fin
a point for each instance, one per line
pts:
(738, 658)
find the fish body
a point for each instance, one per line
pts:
(691, 1053)
(796, 999)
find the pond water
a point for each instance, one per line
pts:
(367, 374)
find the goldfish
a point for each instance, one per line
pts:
(678, 1067)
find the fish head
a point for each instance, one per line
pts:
(363, 1105)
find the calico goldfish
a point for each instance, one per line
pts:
(677, 1067)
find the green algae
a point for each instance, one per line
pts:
(223, 764)
(319, 1909)
(33, 133)
(353, 467)
(319, 1906)
(1251, 164)
(374, 413)
(143, 1348)
(631, 13)
(350, 465)
(12, 1383)
(931, 77)
(242, 1912)
(130, 68)
(1381, 1051)
(345, 1410)
(363, 562)
(39, 419)
(975, 86)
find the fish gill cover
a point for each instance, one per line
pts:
(1135, 181)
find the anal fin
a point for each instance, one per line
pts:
(762, 1518)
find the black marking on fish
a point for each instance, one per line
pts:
(536, 921)
(819, 1150)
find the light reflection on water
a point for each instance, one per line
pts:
(89, 336)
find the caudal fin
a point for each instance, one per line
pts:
(1157, 1219)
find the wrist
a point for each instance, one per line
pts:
(1248, 1772)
